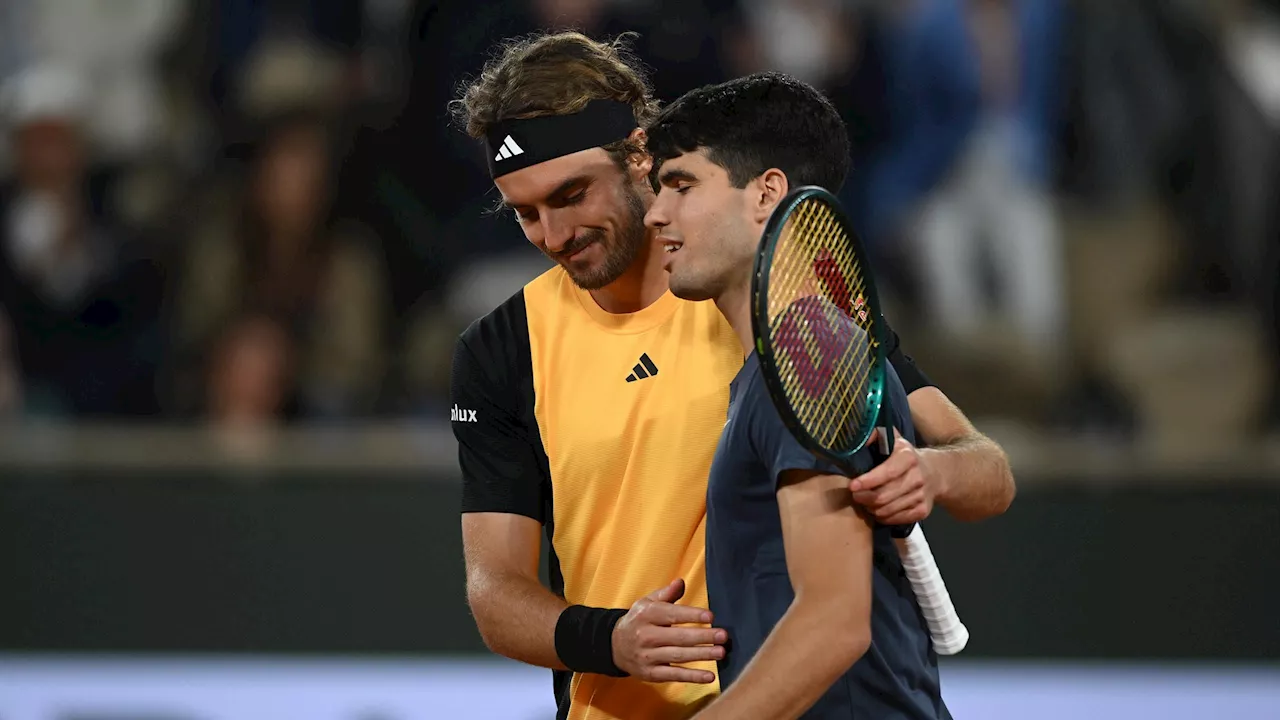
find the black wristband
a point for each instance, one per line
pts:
(584, 639)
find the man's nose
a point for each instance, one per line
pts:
(556, 233)
(656, 217)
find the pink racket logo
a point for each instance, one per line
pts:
(815, 332)
(811, 342)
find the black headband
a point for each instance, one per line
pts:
(517, 144)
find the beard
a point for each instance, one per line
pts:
(620, 250)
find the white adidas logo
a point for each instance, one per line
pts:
(509, 148)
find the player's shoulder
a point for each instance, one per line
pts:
(500, 327)
(499, 339)
(750, 394)
(508, 323)
(550, 294)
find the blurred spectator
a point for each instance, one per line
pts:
(282, 307)
(995, 204)
(241, 28)
(250, 373)
(808, 39)
(931, 102)
(115, 46)
(82, 304)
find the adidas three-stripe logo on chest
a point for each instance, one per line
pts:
(643, 369)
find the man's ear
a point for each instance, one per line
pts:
(639, 163)
(771, 187)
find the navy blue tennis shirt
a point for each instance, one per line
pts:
(897, 678)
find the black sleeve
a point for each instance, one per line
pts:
(499, 451)
(913, 378)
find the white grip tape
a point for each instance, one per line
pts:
(948, 633)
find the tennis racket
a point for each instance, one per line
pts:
(820, 335)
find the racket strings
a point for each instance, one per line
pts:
(829, 415)
(816, 296)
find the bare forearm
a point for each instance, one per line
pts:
(974, 476)
(968, 471)
(808, 650)
(517, 617)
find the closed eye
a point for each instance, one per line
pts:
(570, 192)
(677, 179)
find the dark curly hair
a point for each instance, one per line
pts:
(753, 123)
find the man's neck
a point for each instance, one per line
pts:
(639, 287)
(735, 305)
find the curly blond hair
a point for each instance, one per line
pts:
(556, 74)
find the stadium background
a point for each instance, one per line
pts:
(238, 240)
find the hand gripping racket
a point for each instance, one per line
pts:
(819, 332)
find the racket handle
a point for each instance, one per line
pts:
(948, 633)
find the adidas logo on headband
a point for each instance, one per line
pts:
(509, 149)
(600, 123)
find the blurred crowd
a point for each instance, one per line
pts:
(253, 211)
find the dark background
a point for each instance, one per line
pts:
(296, 562)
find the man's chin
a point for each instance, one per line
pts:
(589, 277)
(689, 291)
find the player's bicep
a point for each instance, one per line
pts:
(501, 471)
(500, 544)
(827, 539)
(937, 420)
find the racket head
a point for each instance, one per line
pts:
(818, 325)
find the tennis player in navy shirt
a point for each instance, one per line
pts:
(822, 622)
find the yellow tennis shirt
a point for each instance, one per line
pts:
(602, 427)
